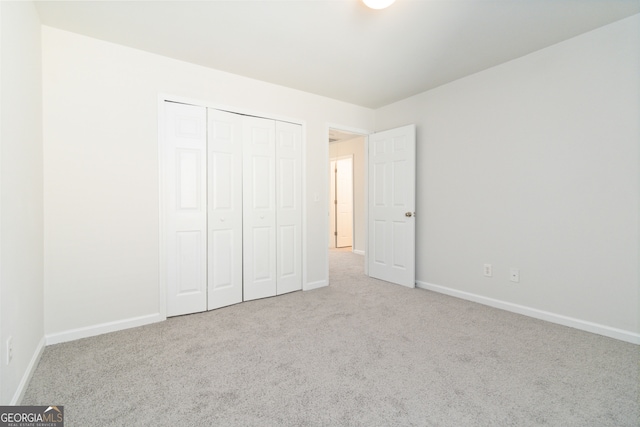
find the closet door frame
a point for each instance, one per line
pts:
(162, 98)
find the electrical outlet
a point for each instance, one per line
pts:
(9, 349)
(514, 275)
(488, 271)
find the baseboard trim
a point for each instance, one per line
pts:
(104, 328)
(358, 251)
(31, 368)
(607, 331)
(315, 285)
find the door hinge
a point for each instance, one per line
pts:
(335, 233)
(335, 202)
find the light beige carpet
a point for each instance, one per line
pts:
(359, 353)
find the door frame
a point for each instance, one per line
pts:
(165, 97)
(365, 134)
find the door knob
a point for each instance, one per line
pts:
(408, 214)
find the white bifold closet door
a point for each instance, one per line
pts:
(232, 208)
(225, 209)
(288, 207)
(272, 228)
(185, 181)
(259, 196)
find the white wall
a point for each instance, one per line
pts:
(101, 173)
(355, 147)
(21, 213)
(534, 164)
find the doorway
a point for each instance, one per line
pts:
(347, 225)
(384, 229)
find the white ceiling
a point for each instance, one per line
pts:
(339, 48)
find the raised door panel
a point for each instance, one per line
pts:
(225, 209)
(259, 208)
(289, 207)
(378, 236)
(189, 268)
(184, 208)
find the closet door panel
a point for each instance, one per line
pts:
(185, 208)
(225, 209)
(289, 207)
(259, 208)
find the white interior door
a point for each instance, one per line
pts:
(225, 209)
(185, 208)
(288, 207)
(391, 247)
(332, 204)
(259, 208)
(344, 205)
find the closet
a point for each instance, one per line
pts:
(231, 204)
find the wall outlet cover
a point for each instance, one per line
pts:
(488, 271)
(9, 349)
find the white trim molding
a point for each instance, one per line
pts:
(607, 331)
(26, 378)
(103, 328)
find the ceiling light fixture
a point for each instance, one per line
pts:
(378, 4)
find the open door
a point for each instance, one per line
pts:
(341, 202)
(259, 208)
(391, 224)
(185, 208)
(332, 204)
(224, 174)
(288, 207)
(344, 202)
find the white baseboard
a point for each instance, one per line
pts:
(358, 251)
(31, 367)
(583, 325)
(315, 285)
(91, 331)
